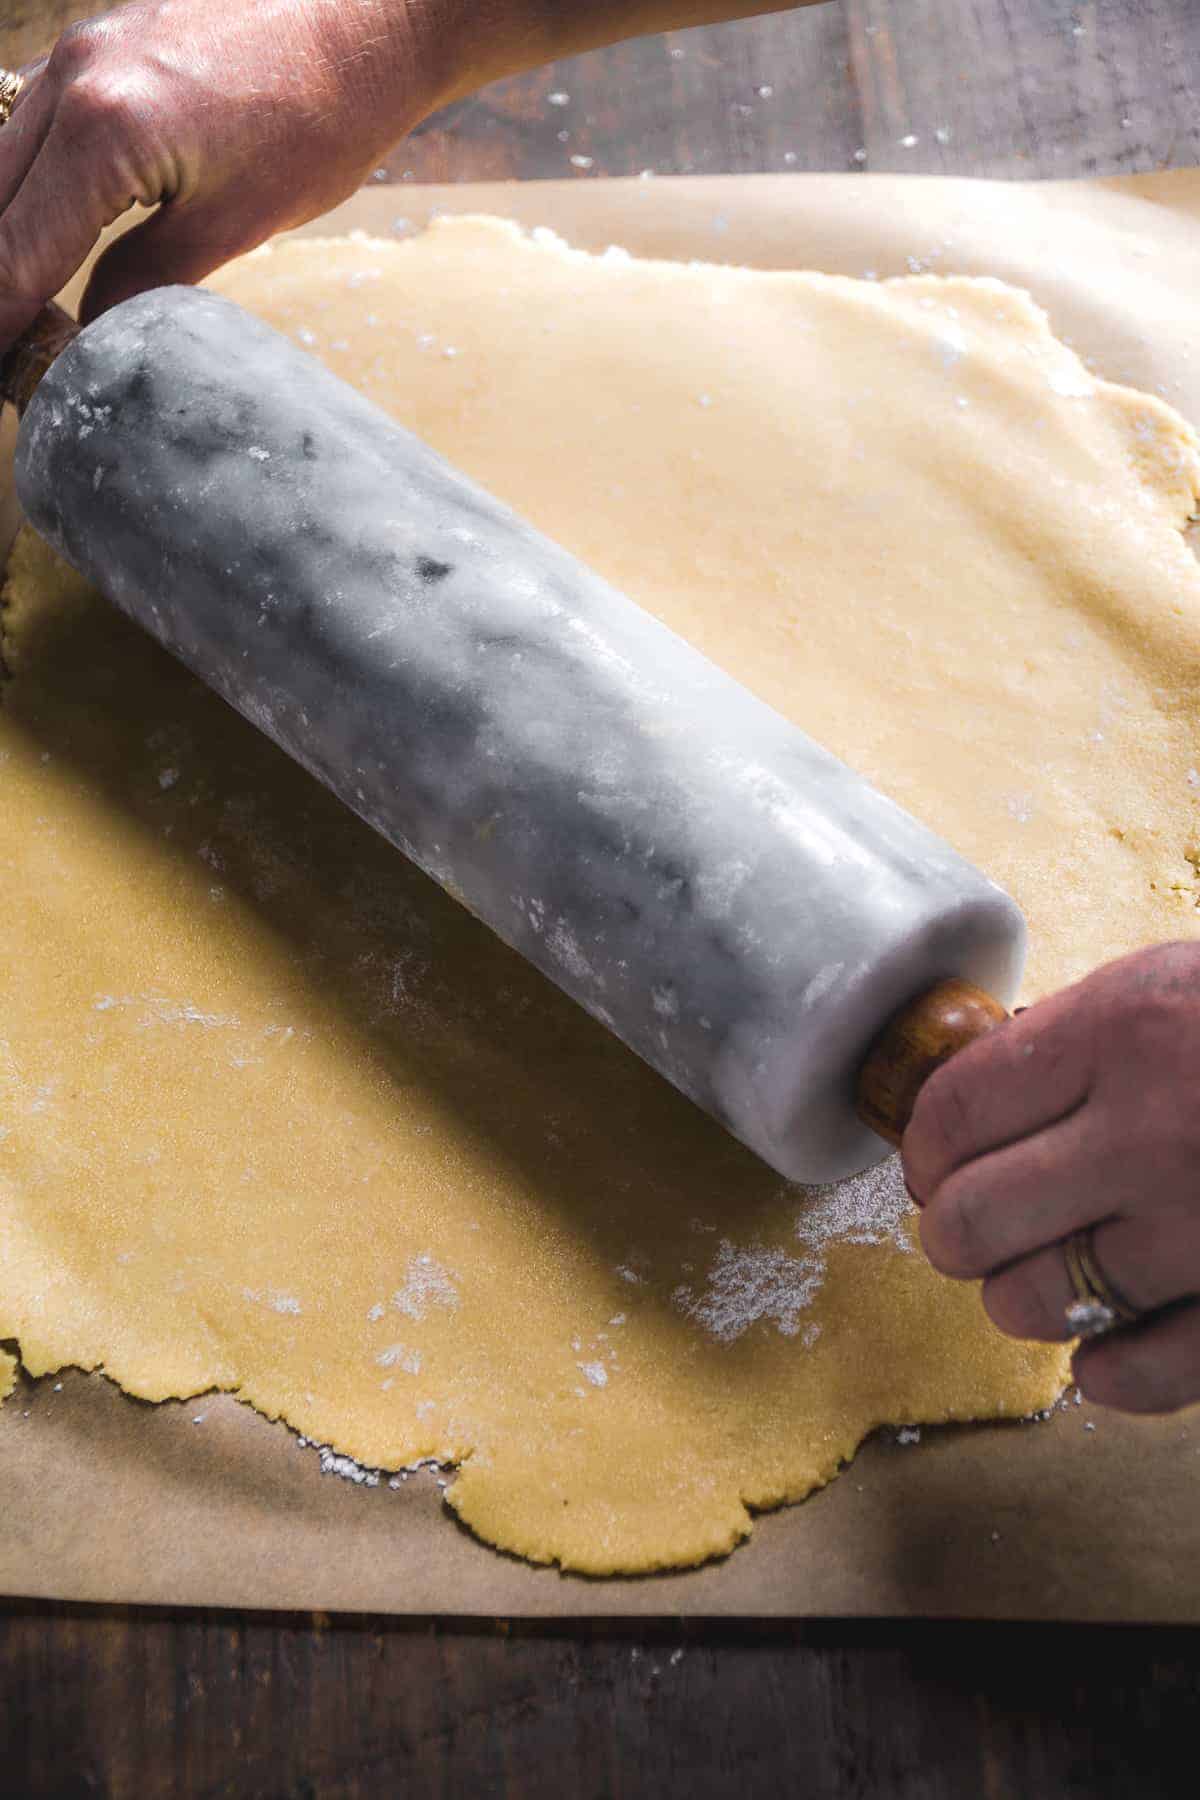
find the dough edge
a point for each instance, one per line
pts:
(475, 1502)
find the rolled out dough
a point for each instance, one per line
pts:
(277, 1116)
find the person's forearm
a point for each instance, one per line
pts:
(467, 43)
(238, 120)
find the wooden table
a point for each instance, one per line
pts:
(120, 1702)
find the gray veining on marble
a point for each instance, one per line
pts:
(742, 909)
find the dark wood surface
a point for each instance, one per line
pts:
(116, 1702)
(146, 1706)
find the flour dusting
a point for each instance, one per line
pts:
(278, 1302)
(871, 1208)
(759, 1281)
(426, 1284)
(335, 1462)
(157, 1009)
(747, 1285)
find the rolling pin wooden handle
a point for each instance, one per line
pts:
(26, 361)
(914, 1043)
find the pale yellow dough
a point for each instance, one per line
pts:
(279, 1117)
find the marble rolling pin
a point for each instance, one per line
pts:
(778, 939)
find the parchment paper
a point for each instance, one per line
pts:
(1085, 1516)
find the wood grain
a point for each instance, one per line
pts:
(913, 1045)
(124, 1704)
(130, 1705)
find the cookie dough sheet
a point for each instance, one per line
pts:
(290, 1123)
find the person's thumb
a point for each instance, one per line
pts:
(176, 244)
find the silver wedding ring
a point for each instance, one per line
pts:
(1097, 1306)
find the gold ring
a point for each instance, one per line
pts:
(11, 83)
(1098, 1306)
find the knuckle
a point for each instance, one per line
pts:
(103, 123)
(1175, 967)
(78, 47)
(94, 102)
(1061, 1063)
(1148, 995)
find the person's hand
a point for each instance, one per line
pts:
(1082, 1111)
(247, 117)
(244, 119)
